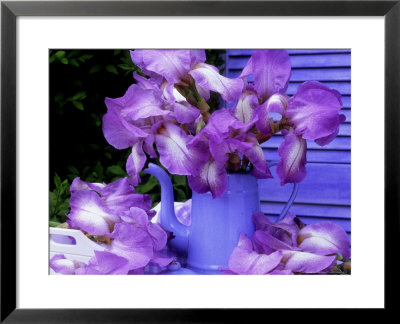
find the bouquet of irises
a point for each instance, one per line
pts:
(165, 115)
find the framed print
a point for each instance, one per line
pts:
(346, 52)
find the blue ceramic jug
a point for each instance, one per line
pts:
(216, 224)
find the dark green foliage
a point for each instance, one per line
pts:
(59, 201)
(80, 80)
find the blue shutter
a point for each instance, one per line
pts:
(325, 193)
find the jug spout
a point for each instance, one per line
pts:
(168, 218)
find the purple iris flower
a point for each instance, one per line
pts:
(115, 210)
(271, 70)
(60, 264)
(310, 249)
(312, 112)
(292, 165)
(95, 208)
(177, 66)
(244, 260)
(223, 135)
(134, 120)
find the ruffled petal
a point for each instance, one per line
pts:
(271, 70)
(208, 77)
(327, 139)
(172, 143)
(62, 265)
(78, 185)
(89, 212)
(244, 260)
(269, 243)
(223, 124)
(305, 262)
(276, 103)
(314, 111)
(147, 83)
(284, 226)
(161, 260)
(248, 68)
(136, 216)
(137, 58)
(291, 168)
(138, 253)
(173, 65)
(149, 148)
(118, 132)
(212, 177)
(132, 237)
(158, 235)
(119, 196)
(324, 238)
(197, 56)
(106, 263)
(255, 154)
(185, 113)
(135, 163)
(138, 103)
(247, 103)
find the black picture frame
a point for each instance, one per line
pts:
(10, 10)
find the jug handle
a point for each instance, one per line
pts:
(291, 198)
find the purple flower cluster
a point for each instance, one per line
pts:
(121, 217)
(285, 247)
(166, 115)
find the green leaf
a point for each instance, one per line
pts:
(116, 170)
(180, 180)
(52, 59)
(127, 67)
(60, 54)
(78, 104)
(74, 62)
(73, 170)
(179, 194)
(57, 180)
(147, 186)
(52, 202)
(98, 168)
(85, 57)
(116, 52)
(73, 53)
(63, 208)
(95, 69)
(64, 60)
(112, 69)
(79, 95)
(54, 223)
(64, 187)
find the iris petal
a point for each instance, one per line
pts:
(291, 168)
(208, 77)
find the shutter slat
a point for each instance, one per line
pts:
(311, 210)
(315, 155)
(339, 143)
(325, 184)
(301, 75)
(233, 52)
(300, 61)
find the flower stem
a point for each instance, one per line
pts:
(275, 128)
